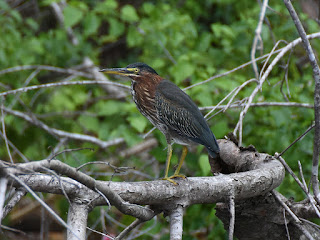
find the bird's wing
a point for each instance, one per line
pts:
(177, 111)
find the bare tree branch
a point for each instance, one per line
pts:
(43, 204)
(49, 85)
(77, 220)
(261, 104)
(46, 68)
(283, 51)
(302, 186)
(13, 201)
(128, 229)
(61, 133)
(4, 134)
(3, 187)
(232, 215)
(292, 45)
(316, 75)
(176, 223)
(271, 171)
(257, 39)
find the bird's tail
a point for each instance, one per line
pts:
(213, 149)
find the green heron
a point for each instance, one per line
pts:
(170, 110)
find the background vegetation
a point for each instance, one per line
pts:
(185, 41)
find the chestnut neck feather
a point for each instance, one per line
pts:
(143, 93)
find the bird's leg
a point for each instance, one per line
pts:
(169, 155)
(183, 156)
(176, 173)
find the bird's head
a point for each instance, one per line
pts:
(135, 71)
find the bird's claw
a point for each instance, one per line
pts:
(174, 176)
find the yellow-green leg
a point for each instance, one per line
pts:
(183, 156)
(176, 173)
(169, 155)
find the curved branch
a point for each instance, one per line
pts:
(265, 173)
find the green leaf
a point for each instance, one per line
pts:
(182, 70)
(116, 27)
(89, 123)
(108, 108)
(91, 24)
(129, 14)
(204, 165)
(220, 128)
(138, 122)
(72, 16)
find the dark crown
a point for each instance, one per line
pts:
(142, 67)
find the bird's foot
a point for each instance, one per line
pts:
(174, 176)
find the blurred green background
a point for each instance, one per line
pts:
(186, 41)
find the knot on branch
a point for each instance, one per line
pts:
(233, 159)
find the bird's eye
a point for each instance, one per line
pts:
(136, 70)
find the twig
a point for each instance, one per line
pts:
(149, 132)
(63, 134)
(141, 147)
(283, 51)
(316, 75)
(13, 230)
(286, 79)
(15, 149)
(297, 139)
(49, 85)
(13, 201)
(69, 150)
(47, 68)
(237, 91)
(128, 229)
(3, 187)
(270, 55)
(59, 16)
(26, 83)
(292, 44)
(302, 176)
(137, 233)
(261, 104)
(277, 197)
(104, 197)
(286, 224)
(311, 223)
(116, 169)
(289, 170)
(257, 38)
(221, 101)
(304, 230)
(100, 233)
(232, 215)
(4, 133)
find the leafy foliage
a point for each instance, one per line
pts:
(185, 41)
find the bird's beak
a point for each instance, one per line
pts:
(129, 72)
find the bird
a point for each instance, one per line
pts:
(170, 110)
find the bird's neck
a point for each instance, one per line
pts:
(143, 93)
(146, 85)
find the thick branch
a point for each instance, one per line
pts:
(77, 220)
(264, 176)
(176, 223)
